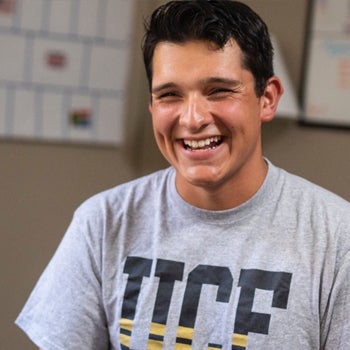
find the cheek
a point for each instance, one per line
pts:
(241, 122)
(230, 116)
(163, 120)
(238, 116)
(160, 125)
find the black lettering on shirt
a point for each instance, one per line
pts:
(137, 269)
(246, 321)
(249, 321)
(168, 272)
(202, 274)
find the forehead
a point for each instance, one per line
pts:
(195, 57)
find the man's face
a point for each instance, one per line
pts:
(206, 115)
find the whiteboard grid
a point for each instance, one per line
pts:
(65, 58)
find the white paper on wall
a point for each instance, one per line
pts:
(327, 84)
(64, 71)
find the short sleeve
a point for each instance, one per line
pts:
(65, 310)
(335, 330)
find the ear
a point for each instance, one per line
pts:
(270, 98)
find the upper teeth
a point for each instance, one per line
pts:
(201, 143)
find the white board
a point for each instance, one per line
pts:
(327, 83)
(64, 69)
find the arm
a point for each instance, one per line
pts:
(336, 321)
(68, 296)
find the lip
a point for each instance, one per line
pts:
(202, 142)
(200, 138)
(200, 154)
(199, 144)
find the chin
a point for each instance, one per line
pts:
(202, 178)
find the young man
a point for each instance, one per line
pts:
(222, 250)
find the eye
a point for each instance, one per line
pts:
(167, 96)
(220, 91)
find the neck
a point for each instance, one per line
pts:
(227, 195)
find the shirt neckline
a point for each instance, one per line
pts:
(185, 211)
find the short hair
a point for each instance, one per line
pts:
(216, 21)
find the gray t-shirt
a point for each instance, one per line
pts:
(139, 268)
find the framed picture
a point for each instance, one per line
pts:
(326, 92)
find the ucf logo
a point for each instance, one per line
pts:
(168, 272)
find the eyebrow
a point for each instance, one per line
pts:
(211, 80)
(162, 87)
(221, 80)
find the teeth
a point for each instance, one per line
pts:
(193, 144)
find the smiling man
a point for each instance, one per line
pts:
(207, 120)
(222, 250)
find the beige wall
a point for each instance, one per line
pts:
(41, 184)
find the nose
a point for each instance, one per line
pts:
(194, 115)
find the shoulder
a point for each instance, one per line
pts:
(313, 205)
(134, 193)
(319, 215)
(304, 190)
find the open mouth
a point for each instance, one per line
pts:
(204, 144)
